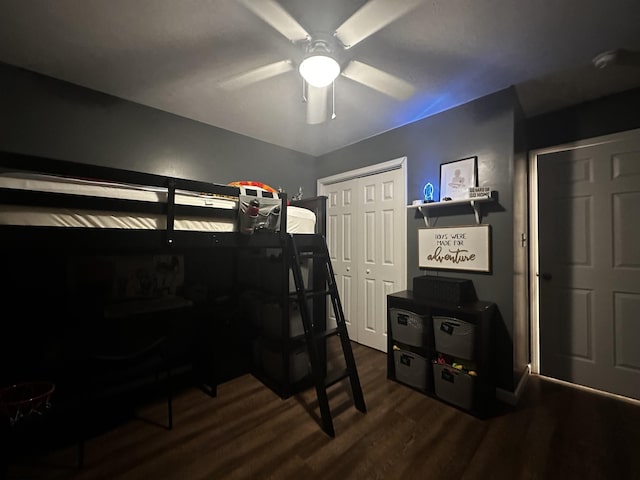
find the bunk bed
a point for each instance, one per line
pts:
(89, 249)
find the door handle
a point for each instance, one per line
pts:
(546, 276)
(348, 269)
(368, 271)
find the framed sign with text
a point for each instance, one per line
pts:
(455, 248)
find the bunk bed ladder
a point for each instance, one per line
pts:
(314, 246)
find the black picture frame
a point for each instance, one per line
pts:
(457, 177)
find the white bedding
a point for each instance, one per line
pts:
(93, 188)
(299, 220)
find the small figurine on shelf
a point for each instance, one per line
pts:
(297, 196)
(428, 192)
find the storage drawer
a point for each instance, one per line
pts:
(408, 327)
(411, 369)
(453, 386)
(454, 336)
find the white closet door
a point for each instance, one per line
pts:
(381, 253)
(366, 235)
(341, 217)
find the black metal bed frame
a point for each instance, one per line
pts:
(106, 238)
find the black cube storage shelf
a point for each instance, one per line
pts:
(419, 329)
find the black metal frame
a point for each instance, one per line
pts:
(63, 243)
(106, 238)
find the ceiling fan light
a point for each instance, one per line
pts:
(319, 70)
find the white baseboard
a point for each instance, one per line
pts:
(512, 398)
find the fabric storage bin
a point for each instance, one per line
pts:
(408, 327)
(411, 369)
(271, 274)
(453, 386)
(454, 337)
(272, 363)
(272, 320)
(305, 269)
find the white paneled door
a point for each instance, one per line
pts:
(341, 215)
(366, 235)
(589, 264)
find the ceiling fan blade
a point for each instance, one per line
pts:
(620, 56)
(272, 12)
(379, 80)
(317, 101)
(256, 75)
(371, 17)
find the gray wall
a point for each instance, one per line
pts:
(43, 116)
(521, 307)
(484, 128)
(603, 116)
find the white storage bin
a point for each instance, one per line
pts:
(411, 369)
(454, 337)
(453, 386)
(408, 327)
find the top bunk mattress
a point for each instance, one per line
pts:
(300, 220)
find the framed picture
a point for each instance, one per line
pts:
(465, 248)
(456, 178)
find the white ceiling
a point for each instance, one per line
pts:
(174, 54)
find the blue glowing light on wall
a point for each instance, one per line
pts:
(427, 192)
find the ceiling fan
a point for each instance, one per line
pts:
(319, 62)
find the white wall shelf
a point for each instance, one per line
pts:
(474, 203)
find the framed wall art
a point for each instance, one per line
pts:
(465, 248)
(456, 178)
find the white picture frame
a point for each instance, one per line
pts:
(466, 248)
(456, 177)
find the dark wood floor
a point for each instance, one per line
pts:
(248, 432)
